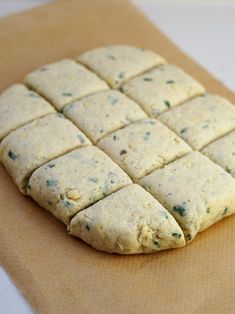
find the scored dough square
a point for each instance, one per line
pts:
(36, 143)
(201, 120)
(143, 146)
(73, 181)
(64, 81)
(117, 64)
(102, 113)
(222, 152)
(162, 88)
(19, 105)
(128, 221)
(197, 192)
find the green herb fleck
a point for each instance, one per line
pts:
(167, 103)
(68, 204)
(121, 75)
(228, 170)
(146, 136)
(111, 57)
(93, 179)
(183, 130)
(43, 69)
(176, 235)
(180, 210)
(34, 95)
(147, 79)
(51, 182)
(128, 119)
(208, 210)
(81, 139)
(225, 211)
(28, 186)
(188, 236)
(12, 155)
(62, 197)
(101, 131)
(123, 152)
(155, 242)
(88, 227)
(67, 94)
(170, 82)
(51, 165)
(150, 122)
(113, 100)
(114, 137)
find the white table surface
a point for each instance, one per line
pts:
(203, 29)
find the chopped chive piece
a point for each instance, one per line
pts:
(225, 211)
(123, 151)
(111, 57)
(176, 235)
(12, 155)
(183, 130)
(147, 79)
(156, 243)
(51, 182)
(67, 94)
(170, 82)
(167, 103)
(180, 210)
(208, 210)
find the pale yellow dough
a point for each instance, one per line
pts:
(64, 81)
(197, 192)
(36, 143)
(201, 120)
(162, 88)
(129, 221)
(75, 180)
(222, 152)
(103, 113)
(18, 106)
(143, 146)
(116, 64)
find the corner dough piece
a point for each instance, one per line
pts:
(18, 106)
(222, 152)
(116, 64)
(103, 113)
(201, 120)
(143, 146)
(64, 81)
(36, 143)
(129, 221)
(162, 88)
(197, 192)
(73, 181)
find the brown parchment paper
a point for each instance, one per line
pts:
(60, 274)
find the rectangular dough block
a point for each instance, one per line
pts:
(116, 64)
(162, 88)
(222, 152)
(201, 120)
(103, 112)
(128, 221)
(197, 192)
(75, 180)
(18, 106)
(64, 81)
(36, 143)
(143, 146)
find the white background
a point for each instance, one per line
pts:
(204, 29)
